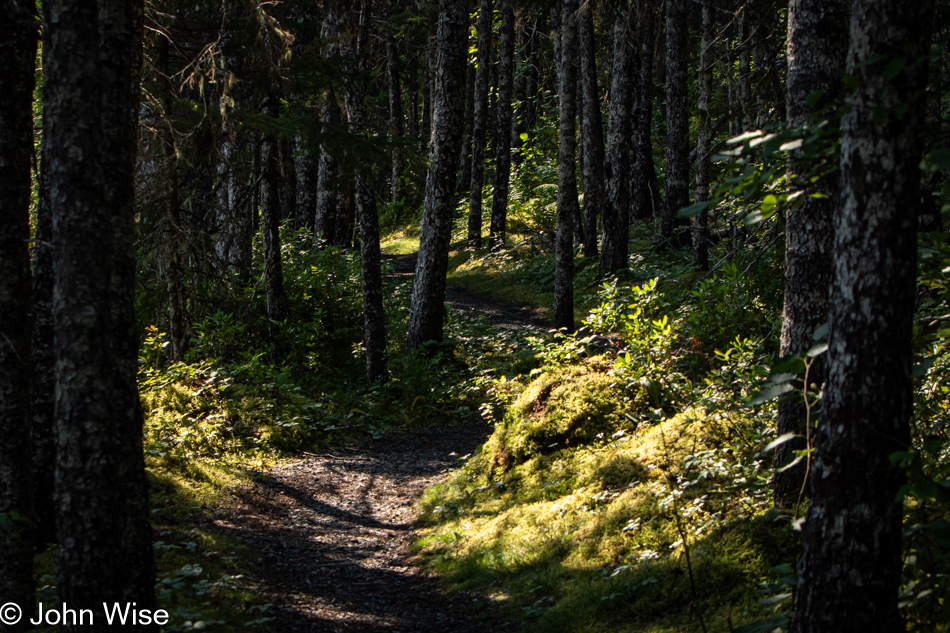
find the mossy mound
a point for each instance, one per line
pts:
(569, 407)
(596, 534)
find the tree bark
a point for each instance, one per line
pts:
(567, 205)
(817, 48)
(701, 222)
(851, 562)
(103, 524)
(506, 76)
(18, 36)
(592, 132)
(616, 173)
(270, 221)
(374, 322)
(645, 193)
(325, 228)
(677, 115)
(394, 89)
(428, 292)
(479, 123)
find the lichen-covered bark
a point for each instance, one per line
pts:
(851, 562)
(677, 115)
(104, 534)
(428, 291)
(615, 215)
(270, 220)
(645, 191)
(506, 76)
(567, 205)
(592, 132)
(305, 169)
(18, 35)
(817, 47)
(374, 323)
(701, 221)
(479, 123)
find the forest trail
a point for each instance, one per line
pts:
(333, 532)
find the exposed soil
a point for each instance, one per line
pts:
(334, 531)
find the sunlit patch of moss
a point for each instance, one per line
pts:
(402, 240)
(589, 537)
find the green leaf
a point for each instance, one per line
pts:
(820, 332)
(781, 439)
(745, 136)
(792, 145)
(769, 203)
(813, 97)
(524, 136)
(693, 209)
(821, 348)
(893, 68)
(936, 160)
(851, 82)
(768, 394)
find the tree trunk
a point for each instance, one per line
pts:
(428, 291)
(566, 178)
(479, 122)
(703, 141)
(374, 322)
(645, 191)
(851, 562)
(105, 552)
(429, 81)
(465, 157)
(592, 132)
(394, 89)
(306, 207)
(325, 229)
(745, 70)
(677, 115)
(616, 173)
(506, 77)
(18, 38)
(270, 221)
(817, 47)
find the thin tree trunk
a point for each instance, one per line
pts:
(677, 115)
(103, 526)
(395, 113)
(645, 193)
(465, 158)
(374, 323)
(851, 563)
(506, 72)
(479, 122)
(270, 221)
(592, 132)
(325, 228)
(428, 292)
(305, 169)
(613, 256)
(745, 70)
(18, 37)
(817, 48)
(703, 141)
(566, 178)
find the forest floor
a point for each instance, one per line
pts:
(333, 533)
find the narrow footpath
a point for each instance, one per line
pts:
(333, 532)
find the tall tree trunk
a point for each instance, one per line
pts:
(394, 89)
(465, 157)
(428, 291)
(817, 48)
(479, 123)
(506, 76)
(18, 36)
(851, 562)
(677, 115)
(645, 191)
(306, 206)
(324, 226)
(567, 205)
(270, 221)
(744, 82)
(429, 81)
(592, 132)
(703, 141)
(616, 173)
(105, 552)
(42, 374)
(374, 322)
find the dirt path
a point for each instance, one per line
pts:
(334, 531)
